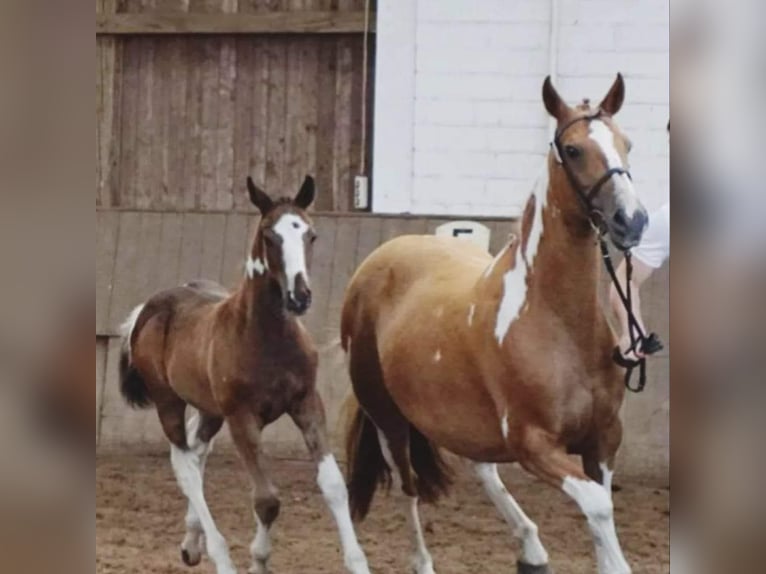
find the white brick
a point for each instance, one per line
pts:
(456, 164)
(651, 38)
(516, 139)
(444, 189)
(586, 38)
(450, 138)
(523, 166)
(637, 90)
(444, 113)
(515, 114)
(484, 10)
(642, 116)
(572, 12)
(644, 64)
(483, 35)
(453, 58)
(477, 87)
(512, 194)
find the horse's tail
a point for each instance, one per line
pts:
(434, 476)
(366, 467)
(132, 385)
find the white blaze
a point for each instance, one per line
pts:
(291, 228)
(626, 194)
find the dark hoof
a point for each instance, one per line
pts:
(524, 568)
(186, 557)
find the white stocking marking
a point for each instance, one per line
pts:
(333, 489)
(607, 474)
(186, 465)
(533, 552)
(421, 560)
(596, 504)
(192, 542)
(260, 549)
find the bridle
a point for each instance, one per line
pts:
(647, 344)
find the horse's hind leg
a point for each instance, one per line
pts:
(395, 446)
(246, 430)
(534, 558)
(200, 431)
(309, 416)
(187, 466)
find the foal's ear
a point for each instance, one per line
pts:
(258, 197)
(553, 102)
(306, 193)
(616, 96)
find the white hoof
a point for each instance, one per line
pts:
(422, 565)
(356, 562)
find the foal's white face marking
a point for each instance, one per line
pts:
(255, 267)
(625, 193)
(291, 228)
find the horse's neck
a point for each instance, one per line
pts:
(258, 307)
(554, 265)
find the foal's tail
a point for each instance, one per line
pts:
(132, 385)
(367, 469)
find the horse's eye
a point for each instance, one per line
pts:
(572, 152)
(313, 239)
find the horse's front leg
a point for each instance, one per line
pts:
(310, 418)
(245, 430)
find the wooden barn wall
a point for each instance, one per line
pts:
(139, 252)
(183, 119)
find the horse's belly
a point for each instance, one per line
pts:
(443, 397)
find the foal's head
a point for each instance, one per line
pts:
(284, 243)
(593, 152)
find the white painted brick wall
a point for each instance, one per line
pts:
(480, 131)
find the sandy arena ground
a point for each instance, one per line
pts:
(139, 523)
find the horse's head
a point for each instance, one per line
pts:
(283, 244)
(593, 153)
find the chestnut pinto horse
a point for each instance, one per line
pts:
(245, 359)
(500, 360)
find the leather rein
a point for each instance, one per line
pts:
(639, 340)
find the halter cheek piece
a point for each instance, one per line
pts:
(647, 344)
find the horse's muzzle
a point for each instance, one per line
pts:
(627, 231)
(299, 301)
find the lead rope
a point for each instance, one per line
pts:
(647, 344)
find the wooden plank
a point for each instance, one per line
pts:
(343, 266)
(102, 344)
(192, 141)
(237, 227)
(325, 130)
(176, 143)
(170, 250)
(128, 121)
(225, 133)
(210, 67)
(393, 227)
(127, 260)
(213, 235)
(258, 157)
(370, 236)
(107, 233)
(342, 151)
(243, 120)
(146, 192)
(275, 134)
(281, 22)
(191, 247)
(321, 276)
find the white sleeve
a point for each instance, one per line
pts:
(654, 248)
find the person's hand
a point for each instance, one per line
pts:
(634, 355)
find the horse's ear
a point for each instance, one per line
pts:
(552, 100)
(306, 194)
(616, 96)
(258, 197)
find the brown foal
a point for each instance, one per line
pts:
(243, 358)
(500, 360)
